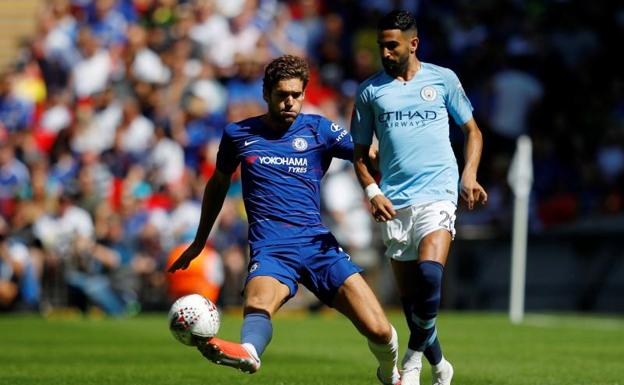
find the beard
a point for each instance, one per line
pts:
(395, 67)
(280, 119)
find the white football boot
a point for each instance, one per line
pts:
(442, 373)
(412, 366)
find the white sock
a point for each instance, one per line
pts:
(412, 359)
(252, 350)
(388, 356)
(440, 365)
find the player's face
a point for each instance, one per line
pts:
(395, 48)
(285, 101)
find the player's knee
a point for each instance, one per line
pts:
(431, 274)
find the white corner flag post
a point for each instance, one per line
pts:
(520, 178)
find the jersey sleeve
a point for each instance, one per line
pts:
(337, 139)
(457, 102)
(227, 159)
(362, 119)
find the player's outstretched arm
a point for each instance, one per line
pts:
(471, 191)
(214, 195)
(381, 207)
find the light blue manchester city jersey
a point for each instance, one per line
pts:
(410, 120)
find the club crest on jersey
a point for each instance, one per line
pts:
(428, 93)
(299, 144)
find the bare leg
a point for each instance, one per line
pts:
(265, 295)
(357, 301)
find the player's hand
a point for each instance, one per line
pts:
(382, 208)
(472, 192)
(185, 259)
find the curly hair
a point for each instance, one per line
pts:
(283, 68)
(396, 19)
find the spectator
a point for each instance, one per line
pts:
(349, 218)
(14, 179)
(136, 132)
(230, 240)
(15, 115)
(19, 279)
(204, 276)
(93, 71)
(515, 95)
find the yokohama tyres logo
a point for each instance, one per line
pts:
(284, 161)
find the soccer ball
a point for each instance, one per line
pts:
(193, 317)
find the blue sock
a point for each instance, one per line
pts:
(421, 311)
(257, 330)
(433, 352)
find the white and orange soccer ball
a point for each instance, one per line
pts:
(193, 318)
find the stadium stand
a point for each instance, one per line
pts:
(108, 106)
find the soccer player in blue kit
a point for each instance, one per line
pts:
(283, 156)
(407, 106)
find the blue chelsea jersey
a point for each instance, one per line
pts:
(281, 173)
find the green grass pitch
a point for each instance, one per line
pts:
(309, 350)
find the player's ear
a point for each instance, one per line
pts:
(414, 44)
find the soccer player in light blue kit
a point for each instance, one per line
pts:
(407, 107)
(283, 156)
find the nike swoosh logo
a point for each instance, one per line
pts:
(247, 143)
(379, 96)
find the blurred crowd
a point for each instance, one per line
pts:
(112, 112)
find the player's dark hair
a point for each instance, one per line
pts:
(283, 68)
(397, 19)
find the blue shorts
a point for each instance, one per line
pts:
(317, 262)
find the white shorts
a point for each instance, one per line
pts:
(403, 233)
